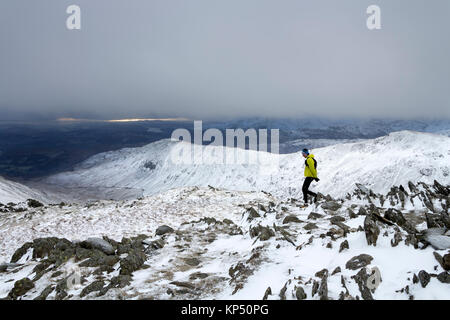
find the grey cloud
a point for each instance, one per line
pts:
(213, 58)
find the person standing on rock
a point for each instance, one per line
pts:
(310, 175)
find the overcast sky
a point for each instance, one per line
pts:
(215, 58)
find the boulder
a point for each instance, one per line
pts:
(264, 233)
(359, 261)
(300, 293)
(99, 244)
(198, 275)
(331, 205)
(134, 261)
(314, 216)
(446, 262)
(337, 270)
(21, 287)
(310, 226)
(164, 229)
(193, 262)
(93, 287)
(361, 279)
(362, 211)
(267, 293)
(397, 239)
(424, 278)
(344, 245)
(291, 218)
(252, 213)
(19, 253)
(351, 213)
(322, 273)
(32, 203)
(444, 277)
(44, 294)
(436, 238)
(371, 230)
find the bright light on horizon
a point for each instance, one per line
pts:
(121, 120)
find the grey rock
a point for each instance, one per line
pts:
(252, 213)
(99, 244)
(424, 278)
(134, 261)
(361, 279)
(198, 275)
(337, 270)
(267, 293)
(161, 230)
(351, 213)
(4, 267)
(34, 203)
(359, 261)
(444, 277)
(439, 242)
(93, 287)
(335, 219)
(322, 273)
(19, 253)
(183, 284)
(282, 293)
(192, 261)
(315, 287)
(446, 262)
(343, 226)
(331, 205)
(344, 245)
(314, 216)
(120, 281)
(155, 244)
(300, 293)
(362, 211)
(20, 288)
(323, 288)
(44, 294)
(291, 218)
(371, 230)
(397, 239)
(264, 233)
(310, 226)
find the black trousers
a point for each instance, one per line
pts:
(305, 188)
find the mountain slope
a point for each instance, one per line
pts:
(15, 192)
(220, 244)
(377, 163)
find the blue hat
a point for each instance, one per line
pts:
(305, 151)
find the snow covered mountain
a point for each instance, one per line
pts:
(378, 164)
(323, 128)
(15, 192)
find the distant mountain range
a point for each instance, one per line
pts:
(376, 163)
(36, 150)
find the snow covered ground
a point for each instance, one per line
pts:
(15, 192)
(377, 163)
(236, 231)
(227, 245)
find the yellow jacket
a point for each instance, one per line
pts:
(310, 170)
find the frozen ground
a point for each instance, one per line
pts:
(230, 245)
